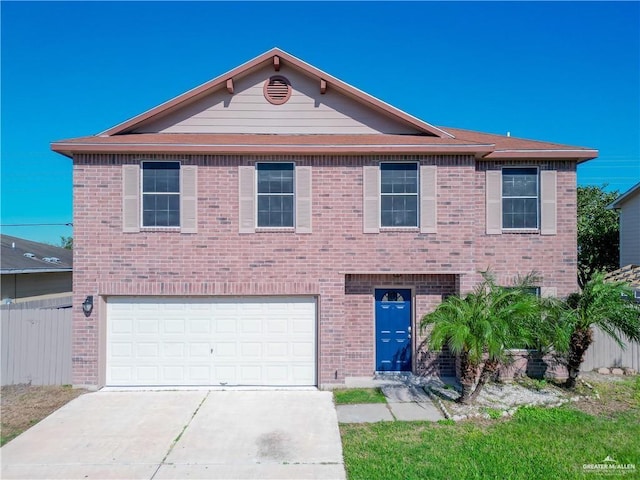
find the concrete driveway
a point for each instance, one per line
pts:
(183, 434)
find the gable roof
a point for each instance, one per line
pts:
(258, 62)
(625, 196)
(13, 259)
(129, 136)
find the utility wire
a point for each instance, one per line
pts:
(37, 225)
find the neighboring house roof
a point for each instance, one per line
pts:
(626, 196)
(629, 274)
(25, 256)
(129, 136)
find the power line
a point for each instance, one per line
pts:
(37, 225)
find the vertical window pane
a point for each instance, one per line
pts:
(160, 177)
(275, 178)
(520, 213)
(399, 178)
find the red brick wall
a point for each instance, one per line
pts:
(218, 260)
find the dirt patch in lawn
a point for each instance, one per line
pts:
(610, 395)
(25, 405)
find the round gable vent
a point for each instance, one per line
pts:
(277, 90)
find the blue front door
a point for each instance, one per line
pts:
(393, 330)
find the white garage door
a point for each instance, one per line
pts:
(211, 341)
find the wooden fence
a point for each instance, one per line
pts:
(604, 352)
(35, 344)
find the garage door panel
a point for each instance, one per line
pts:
(278, 372)
(171, 374)
(250, 374)
(174, 326)
(301, 326)
(276, 325)
(122, 374)
(300, 373)
(173, 349)
(250, 326)
(122, 325)
(199, 373)
(147, 325)
(279, 349)
(147, 350)
(222, 350)
(121, 350)
(225, 374)
(225, 325)
(251, 350)
(148, 373)
(200, 326)
(199, 350)
(211, 341)
(302, 350)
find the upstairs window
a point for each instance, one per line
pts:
(275, 195)
(160, 194)
(520, 203)
(399, 194)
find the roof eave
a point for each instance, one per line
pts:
(17, 271)
(580, 155)
(69, 149)
(624, 197)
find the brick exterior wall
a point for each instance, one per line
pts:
(337, 262)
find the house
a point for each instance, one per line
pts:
(278, 226)
(34, 271)
(604, 352)
(628, 205)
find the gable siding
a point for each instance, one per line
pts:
(247, 111)
(630, 231)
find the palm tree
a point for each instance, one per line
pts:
(607, 305)
(481, 326)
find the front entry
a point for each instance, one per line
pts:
(393, 330)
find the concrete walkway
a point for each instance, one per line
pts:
(404, 402)
(182, 434)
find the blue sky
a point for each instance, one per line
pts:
(560, 72)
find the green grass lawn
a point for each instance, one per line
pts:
(358, 395)
(537, 443)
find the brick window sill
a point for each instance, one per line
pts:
(160, 229)
(276, 230)
(521, 232)
(400, 229)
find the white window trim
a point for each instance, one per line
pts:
(284, 229)
(142, 193)
(538, 219)
(418, 193)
